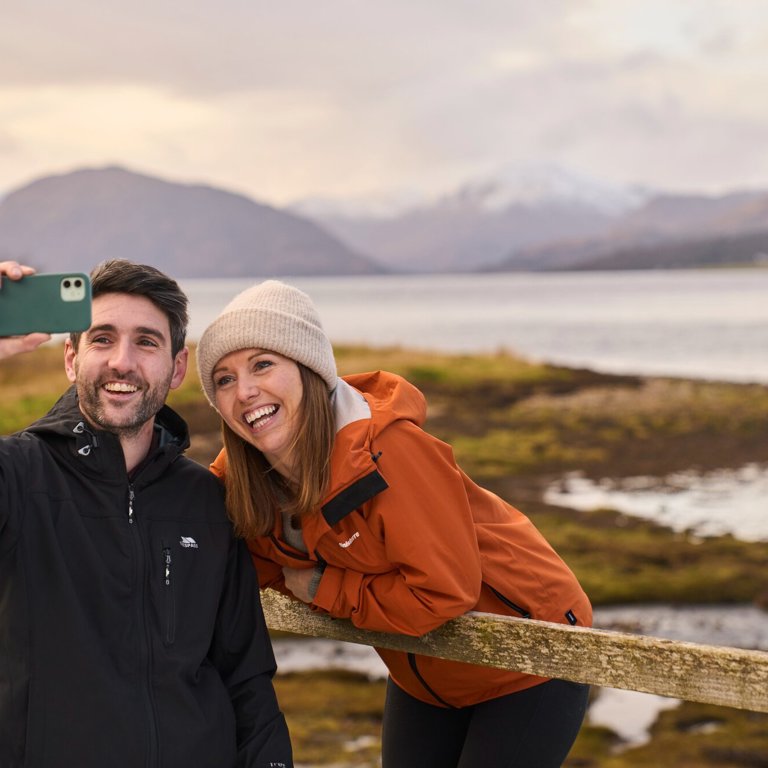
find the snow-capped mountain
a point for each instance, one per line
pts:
(513, 185)
(478, 223)
(543, 185)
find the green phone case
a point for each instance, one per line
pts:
(46, 303)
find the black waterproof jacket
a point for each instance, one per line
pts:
(131, 632)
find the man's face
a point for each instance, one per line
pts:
(123, 368)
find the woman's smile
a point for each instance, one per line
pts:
(261, 417)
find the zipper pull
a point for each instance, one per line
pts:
(130, 504)
(167, 559)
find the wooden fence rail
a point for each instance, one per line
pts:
(730, 677)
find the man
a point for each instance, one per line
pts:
(131, 632)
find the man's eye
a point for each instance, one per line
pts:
(147, 342)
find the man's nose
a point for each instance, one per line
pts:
(121, 357)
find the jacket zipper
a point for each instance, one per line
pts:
(169, 597)
(146, 655)
(516, 608)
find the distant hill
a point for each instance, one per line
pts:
(675, 216)
(478, 224)
(529, 219)
(727, 250)
(75, 220)
(666, 232)
(545, 218)
(451, 237)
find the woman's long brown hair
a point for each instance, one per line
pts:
(255, 491)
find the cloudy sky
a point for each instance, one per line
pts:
(284, 100)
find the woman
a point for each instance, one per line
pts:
(348, 505)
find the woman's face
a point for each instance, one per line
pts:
(258, 394)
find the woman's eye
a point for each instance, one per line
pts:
(222, 380)
(260, 365)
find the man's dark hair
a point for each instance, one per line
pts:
(121, 276)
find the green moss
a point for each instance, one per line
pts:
(620, 559)
(504, 452)
(426, 368)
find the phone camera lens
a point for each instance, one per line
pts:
(67, 283)
(78, 283)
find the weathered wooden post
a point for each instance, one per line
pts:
(730, 677)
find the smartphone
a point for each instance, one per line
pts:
(45, 303)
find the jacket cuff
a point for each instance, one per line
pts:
(314, 582)
(331, 593)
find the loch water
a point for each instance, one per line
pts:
(694, 323)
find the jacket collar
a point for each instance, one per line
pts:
(98, 453)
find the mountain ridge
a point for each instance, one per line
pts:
(576, 226)
(76, 219)
(509, 222)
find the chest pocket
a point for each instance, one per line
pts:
(186, 573)
(353, 544)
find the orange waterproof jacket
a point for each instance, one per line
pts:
(408, 541)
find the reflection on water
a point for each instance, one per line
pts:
(731, 501)
(736, 626)
(628, 714)
(317, 653)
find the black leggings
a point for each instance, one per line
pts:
(534, 728)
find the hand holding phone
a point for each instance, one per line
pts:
(45, 303)
(15, 345)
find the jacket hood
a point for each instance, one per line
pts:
(97, 451)
(389, 396)
(364, 406)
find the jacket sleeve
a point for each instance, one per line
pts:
(242, 652)
(10, 493)
(270, 573)
(425, 523)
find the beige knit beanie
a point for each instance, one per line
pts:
(271, 316)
